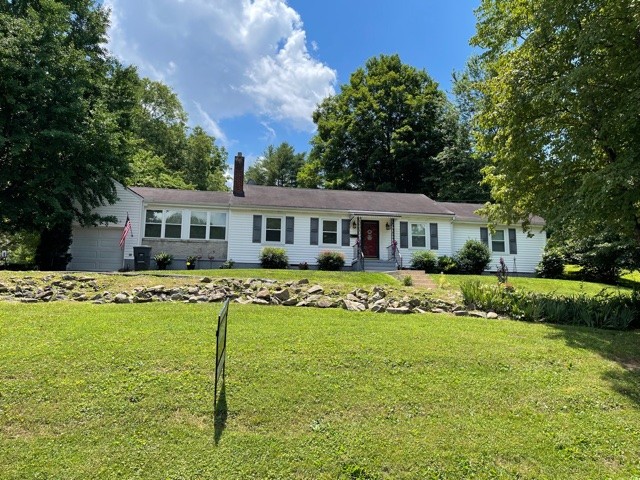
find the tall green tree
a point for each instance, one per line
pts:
(279, 166)
(384, 130)
(461, 163)
(310, 174)
(559, 112)
(166, 153)
(60, 142)
(204, 162)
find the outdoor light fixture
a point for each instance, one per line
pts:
(388, 227)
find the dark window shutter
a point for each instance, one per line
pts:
(404, 235)
(513, 246)
(433, 227)
(314, 231)
(257, 229)
(484, 235)
(345, 233)
(289, 221)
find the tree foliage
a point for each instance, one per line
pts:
(384, 130)
(279, 166)
(166, 153)
(60, 142)
(559, 112)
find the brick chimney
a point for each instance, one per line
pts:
(238, 176)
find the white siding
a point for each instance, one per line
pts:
(529, 249)
(128, 202)
(444, 236)
(243, 250)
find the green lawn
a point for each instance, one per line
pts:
(110, 391)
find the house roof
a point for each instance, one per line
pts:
(351, 201)
(466, 211)
(340, 200)
(167, 196)
(309, 199)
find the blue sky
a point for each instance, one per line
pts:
(251, 72)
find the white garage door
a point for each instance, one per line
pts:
(96, 249)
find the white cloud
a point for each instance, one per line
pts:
(270, 134)
(211, 126)
(231, 57)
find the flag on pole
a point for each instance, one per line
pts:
(125, 232)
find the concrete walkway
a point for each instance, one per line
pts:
(420, 279)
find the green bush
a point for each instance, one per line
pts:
(473, 257)
(551, 265)
(407, 281)
(330, 260)
(228, 265)
(447, 264)
(424, 260)
(274, 257)
(163, 260)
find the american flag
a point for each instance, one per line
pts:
(125, 232)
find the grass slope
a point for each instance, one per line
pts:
(109, 391)
(541, 285)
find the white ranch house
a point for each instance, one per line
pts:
(374, 230)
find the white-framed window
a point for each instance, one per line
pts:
(163, 224)
(497, 241)
(153, 224)
(172, 223)
(208, 225)
(273, 229)
(330, 232)
(217, 225)
(198, 227)
(418, 235)
(203, 225)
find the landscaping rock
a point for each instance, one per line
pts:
(492, 315)
(264, 295)
(325, 302)
(477, 314)
(353, 306)
(282, 295)
(460, 313)
(438, 310)
(205, 280)
(217, 296)
(315, 290)
(142, 299)
(121, 298)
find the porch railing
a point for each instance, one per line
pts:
(393, 253)
(358, 255)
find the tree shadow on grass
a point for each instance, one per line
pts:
(220, 414)
(622, 347)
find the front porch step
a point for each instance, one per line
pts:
(374, 265)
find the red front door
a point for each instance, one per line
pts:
(370, 238)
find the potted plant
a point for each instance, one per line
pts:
(163, 260)
(191, 262)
